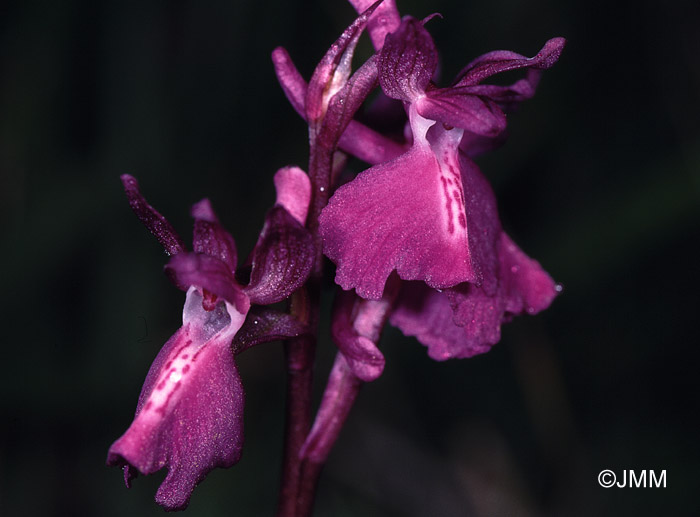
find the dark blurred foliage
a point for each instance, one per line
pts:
(600, 181)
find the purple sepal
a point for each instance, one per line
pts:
(464, 321)
(385, 19)
(361, 353)
(282, 258)
(292, 82)
(151, 218)
(500, 61)
(189, 418)
(293, 188)
(407, 61)
(334, 69)
(210, 237)
(209, 273)
(478, 107)
(263, 325)
(506, 97)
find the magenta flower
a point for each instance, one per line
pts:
(189, 417)
(429, 214)
(416, 241)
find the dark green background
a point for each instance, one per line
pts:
(600, 181)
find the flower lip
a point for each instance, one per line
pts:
(189, 417)
(465, 320)
(405, 215)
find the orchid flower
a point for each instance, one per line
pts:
(415, 238)
(429, 214)
(189, 417)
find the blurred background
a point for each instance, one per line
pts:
(600, 181)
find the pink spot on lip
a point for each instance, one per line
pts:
(185, 369)
(185, 356)
(148, 405)
(462, 221)
(187, 343)
(448, 205)
(161, 385)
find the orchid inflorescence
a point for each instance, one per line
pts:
(415, 239)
